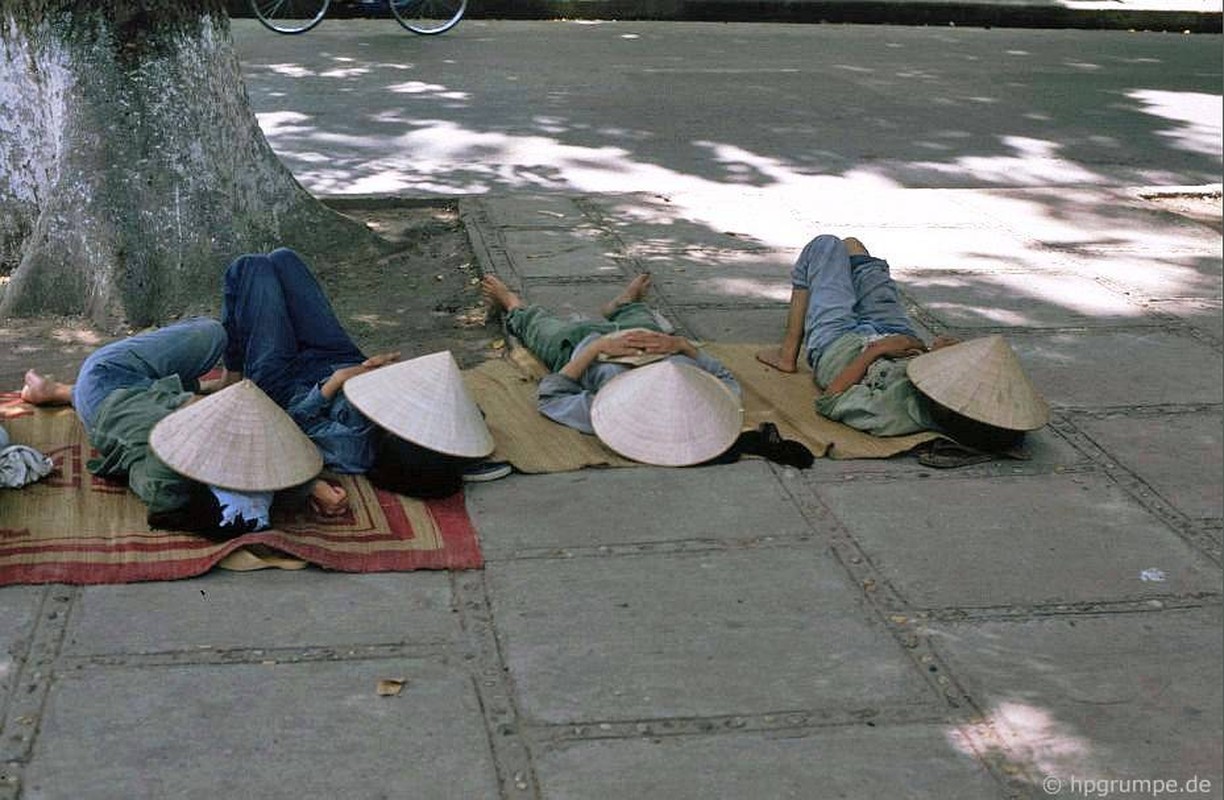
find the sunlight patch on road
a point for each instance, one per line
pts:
(1197, 115)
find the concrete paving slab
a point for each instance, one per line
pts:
(677, 262)
(841, 762)
(18, 614)
(265, 609)
(1029, 540)
(913, 251)
(1135, 696)
(1097, 369)
(259, 731)
(1048, 453)
(1202, 315)
(655, 225)
(730, 324)
(730, 503)
(550, 253)
(727, 290)
(1179, 455)
(533, 211)
(887, 207)
(1077, 218)
(573, 301)
(1153, 275)
(701, 634)
(733, 324)
(1022, 300)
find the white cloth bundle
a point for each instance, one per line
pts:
(21, 465)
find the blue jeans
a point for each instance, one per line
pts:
(188, 349)
(283, 334)
(847, 294)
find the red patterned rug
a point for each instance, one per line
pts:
(73, 527)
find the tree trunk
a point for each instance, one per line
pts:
(132, 169)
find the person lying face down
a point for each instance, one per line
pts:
(877, 375)
(210, 468)
(284, 335)
(627, 355)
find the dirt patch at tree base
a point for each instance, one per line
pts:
(419, 297)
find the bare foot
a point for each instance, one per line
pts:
(633, 293)
(40, 390)
(499, 294)
(327, 500)
(774, 357)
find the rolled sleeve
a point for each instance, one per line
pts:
(563, 400)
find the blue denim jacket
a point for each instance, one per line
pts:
(346, 438)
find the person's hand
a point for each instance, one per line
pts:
(898, 346)
(655, 343)
(342, 375)
(380, 360)
(613, 345)
(327, 500)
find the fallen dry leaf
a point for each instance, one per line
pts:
(391, 687)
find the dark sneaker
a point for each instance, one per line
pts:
(487, 471)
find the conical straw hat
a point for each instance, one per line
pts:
(236, 439)
(668, 414)
(981, 379)
(424, 401)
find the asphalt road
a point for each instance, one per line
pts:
(700, 109)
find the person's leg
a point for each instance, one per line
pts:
(39, 390)
(634, 292)
(822, 303)
(188, 349)
(634, 315)
(550, 339)
(262, 343)
(314, 321)
(879, 302)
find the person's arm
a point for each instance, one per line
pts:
(611, 344)
(561, 396)
(332, 386)
(310, 409)
(898, 345)
(562, 399)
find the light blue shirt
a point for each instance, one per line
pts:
(568, 402)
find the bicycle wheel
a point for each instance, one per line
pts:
(428, 17)
(290, 16)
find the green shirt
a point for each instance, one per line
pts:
(883, 403)
(120, 434)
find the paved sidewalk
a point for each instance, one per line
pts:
(865, 629)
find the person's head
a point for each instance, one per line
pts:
(971, 433)
(432, 429)
(236, 439)
(668, 414)
(979, 395)
(241, 448)
(409, 469)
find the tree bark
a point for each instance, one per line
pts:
(132, 169)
